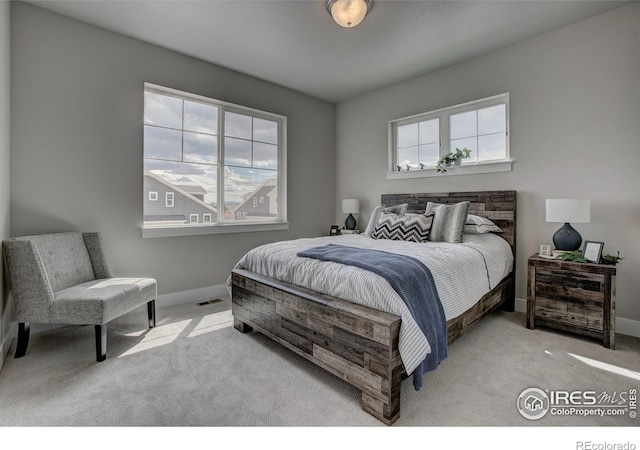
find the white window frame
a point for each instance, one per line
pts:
(153, 196)
(169, 199)
(221, 227)
(206, 218)
(500, 165)
(192, 216)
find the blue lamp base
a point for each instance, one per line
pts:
(567, 238)
(350, 223)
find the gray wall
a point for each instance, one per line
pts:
(575, 129)
(5, 309)
(76, 159)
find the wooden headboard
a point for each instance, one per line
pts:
(497, 206)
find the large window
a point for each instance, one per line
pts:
(211, 159)
(482, 127)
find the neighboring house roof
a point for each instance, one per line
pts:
(191, 189)
(179, 190)
(264, 190)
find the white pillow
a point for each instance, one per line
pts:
(480, 225)
(378, 210)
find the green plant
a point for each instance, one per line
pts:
(575, 256)
(610, 259)
(452, 157)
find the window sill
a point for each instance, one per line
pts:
(153, 232)
(466, 169)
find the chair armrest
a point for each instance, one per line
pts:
(30, 284)
(98, 255)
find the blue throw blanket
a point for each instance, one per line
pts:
(413, 282)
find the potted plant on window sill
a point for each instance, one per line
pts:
(454, 158)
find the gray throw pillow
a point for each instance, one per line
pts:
(448, 222)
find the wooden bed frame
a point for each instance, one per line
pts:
(354, 342)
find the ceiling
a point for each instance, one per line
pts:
(295, 43)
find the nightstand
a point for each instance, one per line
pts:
(574, 297)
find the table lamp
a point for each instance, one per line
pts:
(568, 210)
(350, 206)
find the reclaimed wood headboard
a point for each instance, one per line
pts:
(497, 206)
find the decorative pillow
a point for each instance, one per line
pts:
(403, 228)
(431, 206)
(480, 225)
(448, 222)
(375, 215)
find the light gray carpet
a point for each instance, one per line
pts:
(196, 370)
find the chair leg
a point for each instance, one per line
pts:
(23, 339)
(101, 342)
(151, 312)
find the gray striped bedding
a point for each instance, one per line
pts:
(463, 273)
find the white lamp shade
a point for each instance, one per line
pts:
(350, 206)
(565, 210)
(348, 13)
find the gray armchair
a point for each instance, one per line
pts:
(66, 278)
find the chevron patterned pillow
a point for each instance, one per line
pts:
(403, 228)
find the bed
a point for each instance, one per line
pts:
(350, 322)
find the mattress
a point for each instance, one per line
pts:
(463, 274)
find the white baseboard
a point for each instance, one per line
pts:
(623, 326)
(627, 326)
(193, 295)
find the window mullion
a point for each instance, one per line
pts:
(445, 133)
(182, 133)
(220, 168)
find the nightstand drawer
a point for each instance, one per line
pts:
(574, 313)
(569, 285)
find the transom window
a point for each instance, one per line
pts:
(482, 127)
(210, 158)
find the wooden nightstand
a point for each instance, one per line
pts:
(575, 297)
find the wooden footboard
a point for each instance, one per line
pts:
(354, 342)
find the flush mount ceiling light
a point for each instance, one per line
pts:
(348, 13)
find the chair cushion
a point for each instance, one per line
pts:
(100, 301)
(65, 259)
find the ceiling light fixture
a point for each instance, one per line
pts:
(349, 13)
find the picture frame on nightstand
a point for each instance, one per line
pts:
(592, 251)
(545, 250)
(335, 230)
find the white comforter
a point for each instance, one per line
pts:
(463, 273)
